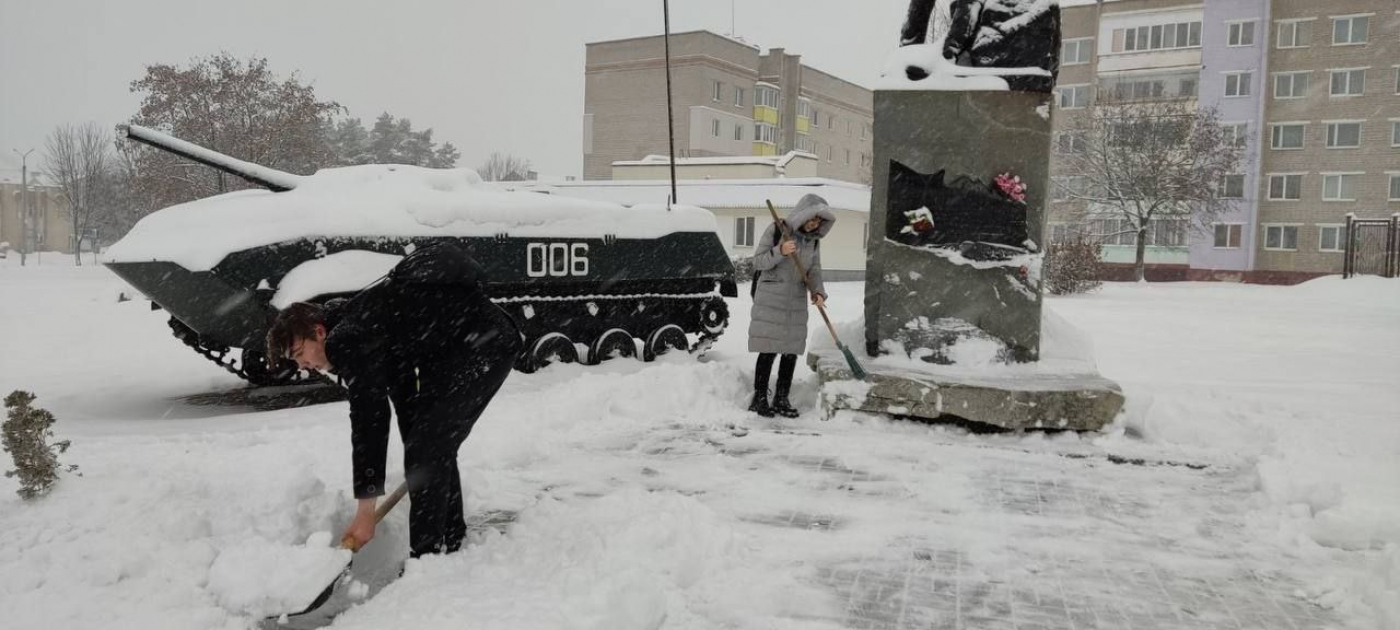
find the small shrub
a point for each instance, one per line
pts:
(1073, 267)
(743, 268)
(26, 438)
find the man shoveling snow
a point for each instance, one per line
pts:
(427, 339)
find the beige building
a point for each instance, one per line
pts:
(1331, 133)
(1312, 89)
(728, 99)
(49, 229)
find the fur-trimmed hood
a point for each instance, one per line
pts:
(807, 207)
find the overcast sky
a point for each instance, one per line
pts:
(486, 75)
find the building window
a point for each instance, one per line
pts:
(1286, 187)
(764, 132)
(765, 96)
(1232, 186)
(804, 108)
(1237, 83)
(1395, 133)
(1281, 237)
(1227, 235)
(1068, 187)
(828, 150)
(1350, 30)
(738, 132)
(1071, 143)
(804, 143)
(1395, 187)
(1291, 84)
(1074, 96)
(1348, 82)
(863, 128)
(1294, 34)
(714, 127)
(743, 231)
(1235, 132)
(1343, 135)
(1339, 186)
(848, 157)
(1240, 34)
(1074, 52)
(1397, 80)
(1288, 136)
(830, 121)
(1150, 87)
(1329, 238)
(715, 91)
(816, 118)
(738, 97)
(1157, 37)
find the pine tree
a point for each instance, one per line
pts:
(26, 434)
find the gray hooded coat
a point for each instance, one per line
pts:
(778, 321)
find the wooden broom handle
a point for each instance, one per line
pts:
(380, 512)
(787, 235)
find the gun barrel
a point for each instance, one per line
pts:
(269, 178)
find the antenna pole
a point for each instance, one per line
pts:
(670, 119)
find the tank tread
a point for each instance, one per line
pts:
(605, 296)
(219, 356)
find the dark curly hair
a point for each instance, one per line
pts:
(297, 321)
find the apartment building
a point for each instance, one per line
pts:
(1123, 52)
(729, 99)
(1311, 90)
(1330, 138)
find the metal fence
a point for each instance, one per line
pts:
(1372, 247)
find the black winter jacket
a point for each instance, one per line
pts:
(430, 313)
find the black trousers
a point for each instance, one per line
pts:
(445, 406)
(764, 367)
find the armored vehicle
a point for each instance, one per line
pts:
(585, 280)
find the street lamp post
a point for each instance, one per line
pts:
(26, 226)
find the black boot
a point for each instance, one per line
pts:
(760, 404)
(781, 406)
(762, 368)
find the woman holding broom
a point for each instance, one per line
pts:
(778, 323)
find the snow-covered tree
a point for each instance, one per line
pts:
(1139, 162)
(78, 160)
(389, 141)
(237, 107)
(504, 167)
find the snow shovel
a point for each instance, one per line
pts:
(345, 543)
(856, 370)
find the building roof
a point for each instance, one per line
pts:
(768, 160)
(712, 193)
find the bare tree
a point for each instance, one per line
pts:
(1155, 167)
(77, 159)
(504, 167)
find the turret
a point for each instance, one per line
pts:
(269, 178)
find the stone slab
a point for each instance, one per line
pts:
(1017, 397)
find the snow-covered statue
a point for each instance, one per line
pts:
(1021, 38)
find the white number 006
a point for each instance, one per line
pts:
(556, 259)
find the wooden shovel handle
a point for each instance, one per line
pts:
(348, 542)
(787, 235)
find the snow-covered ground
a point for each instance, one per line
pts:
(626, 502)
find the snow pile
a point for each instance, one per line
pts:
(631, 559)
(379, 200)
(341, 272)
(262, 580)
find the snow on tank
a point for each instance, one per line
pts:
(585, 279)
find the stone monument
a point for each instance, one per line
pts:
(960, 182)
